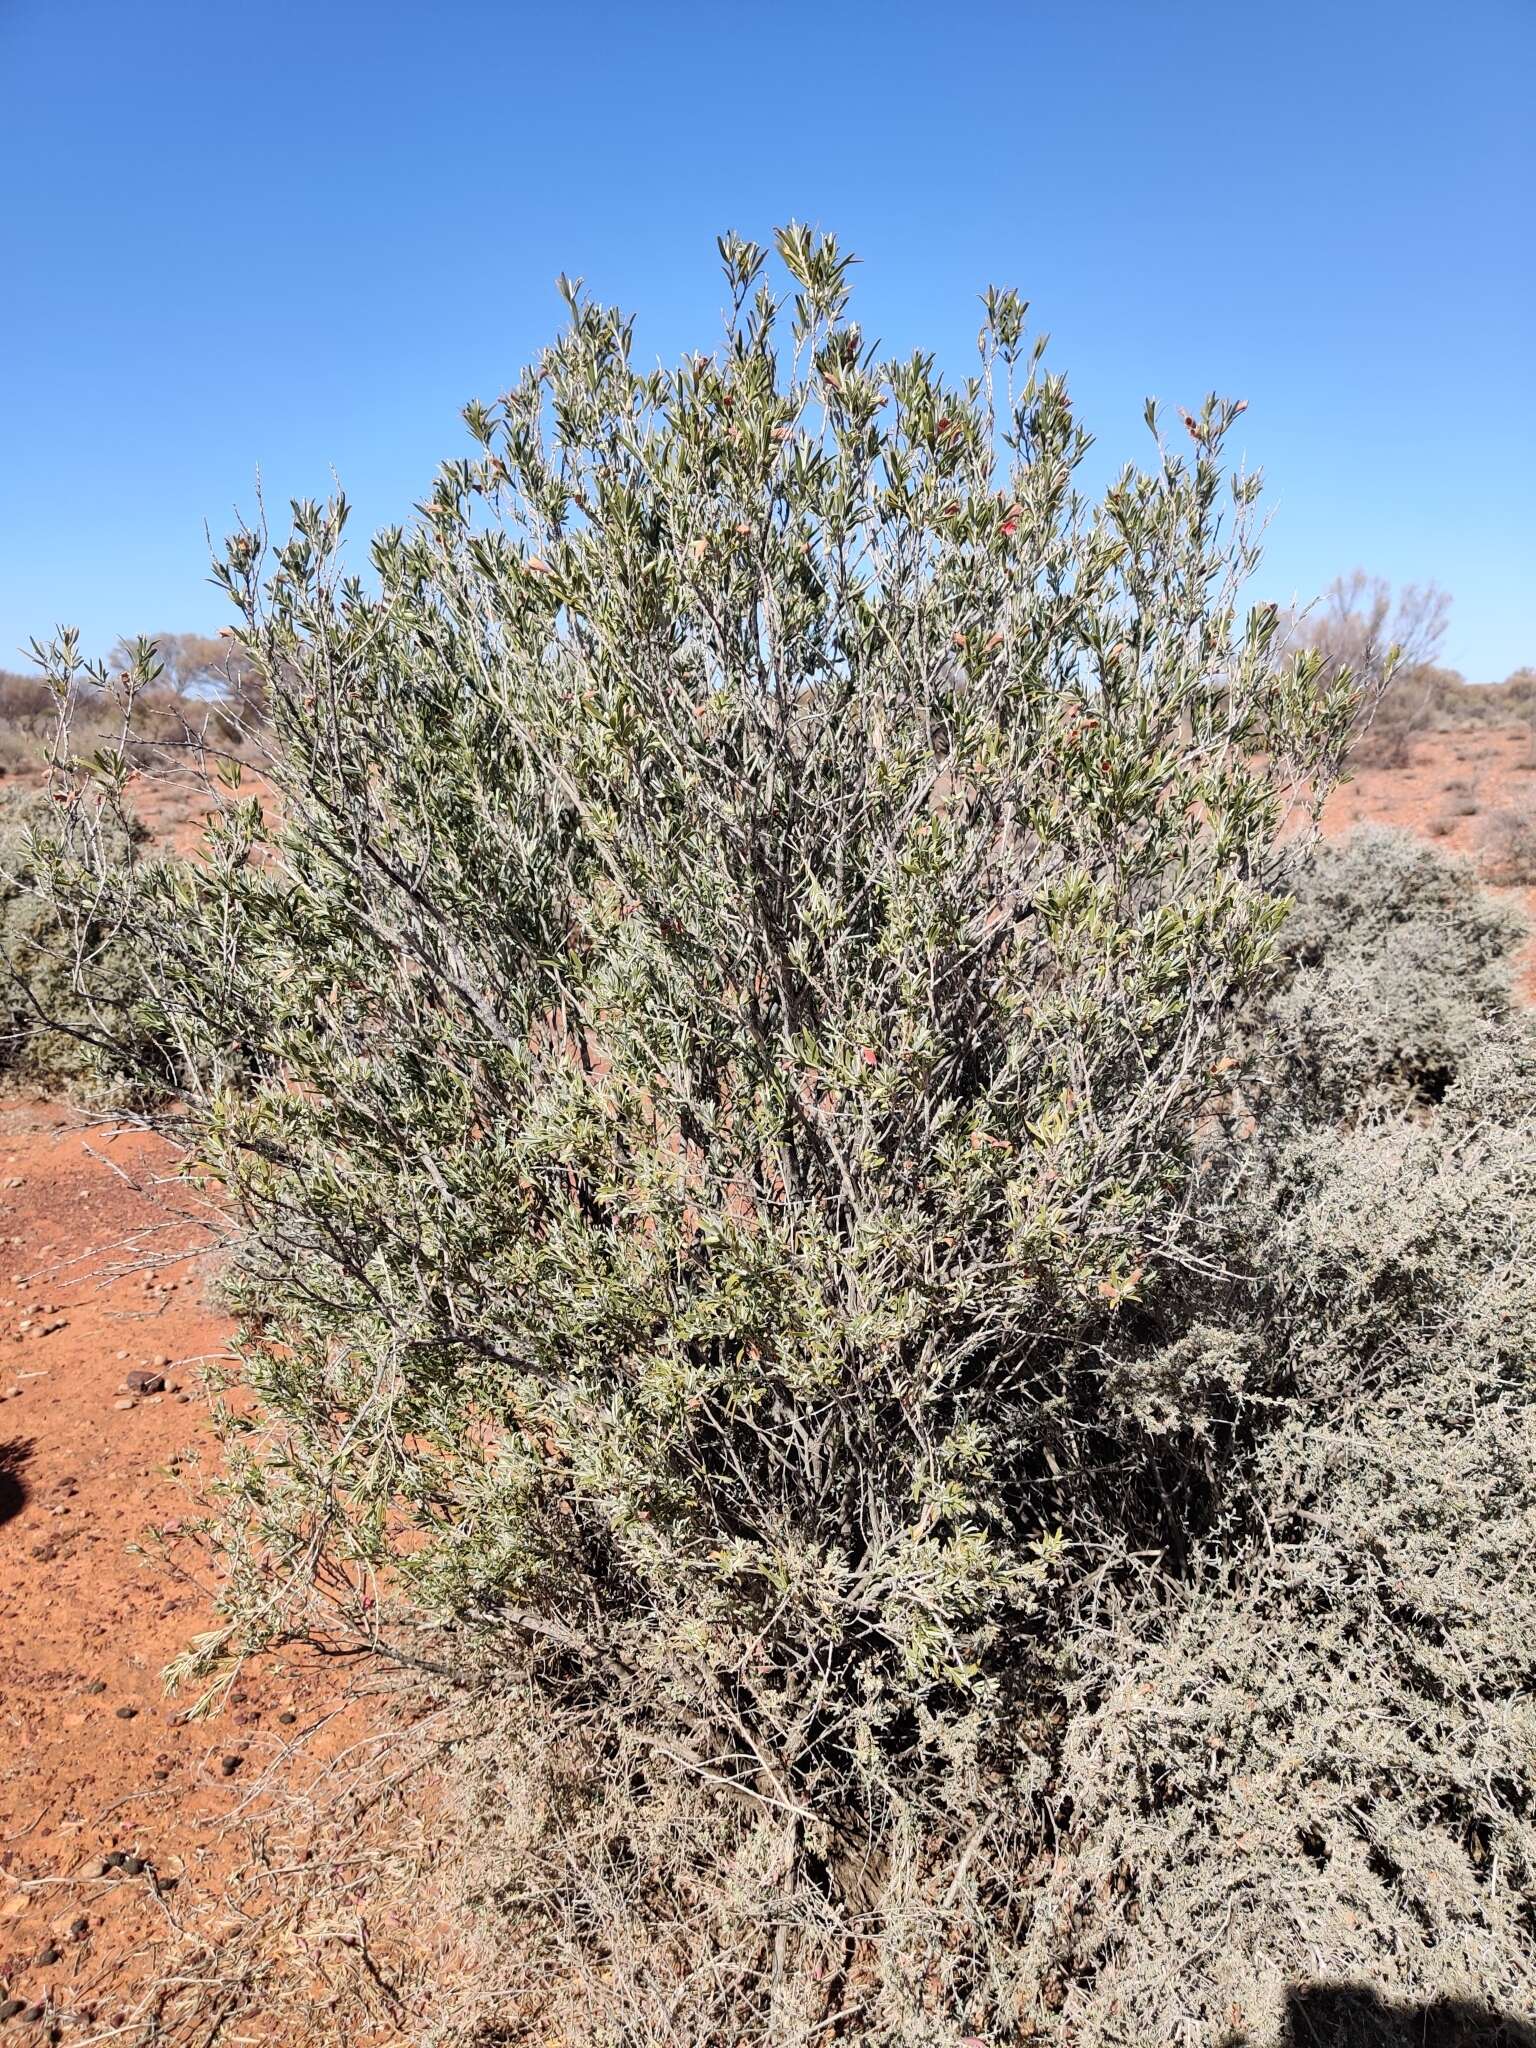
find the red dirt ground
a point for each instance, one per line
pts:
(94, 1759)
(100, 1586)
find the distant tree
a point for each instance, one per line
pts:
(23, 698)
(1360, 623)
(1388, 643)
(196, 664)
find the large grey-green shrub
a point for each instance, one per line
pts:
(765, 880)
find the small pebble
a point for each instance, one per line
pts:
(46, 1957)
(288, 1717)
(127, 1713)
(228, 1765)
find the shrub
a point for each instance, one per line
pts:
(712, 1064)
(1509, 845)
(25, 700)
(1312, 1756)
(1463, 800)
(1399, 963)
(190, 697)
(71, 1018)
(1387, 644)
(197, 668)
(1296, 1751)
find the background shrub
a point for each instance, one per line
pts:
(1389, 642)
(72, 1016)
(1312, 1756)
(1508, 845)
(1398, 966)
(191, 695)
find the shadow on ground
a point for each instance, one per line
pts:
(1353, 2016)
(14, 1491)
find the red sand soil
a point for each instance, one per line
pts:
(101, 1585)
(95, 1761)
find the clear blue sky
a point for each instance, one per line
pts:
(296, 235)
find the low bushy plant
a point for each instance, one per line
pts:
(1310, 1755)
(1508, 845)
(1398, 963)
(73, 1018)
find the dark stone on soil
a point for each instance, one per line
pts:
(10, 2008)
(47, 1956)
(142, 1381)
(287, 1717)
(230, 1764)
(127, 1713)
(132, 1866)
